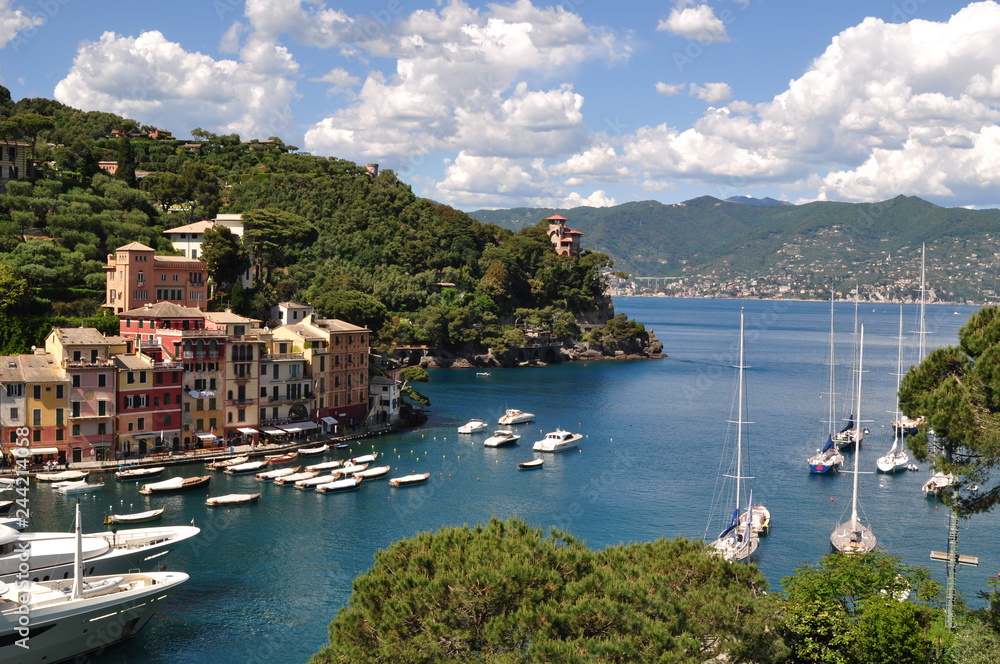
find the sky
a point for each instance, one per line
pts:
(529, 103)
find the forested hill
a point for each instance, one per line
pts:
(354, 242)
(828, 240)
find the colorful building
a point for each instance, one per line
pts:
(136, 276)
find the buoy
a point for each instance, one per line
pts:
(831, 499)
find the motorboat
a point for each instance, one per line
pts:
(136, 517)
(290, 480)
(275, 459)
(515, 416)
(502, 437)
(337, 486)
(268, 475)
(82, 486)
(176, 484)
(138, 473)
(248, 467)
(409, 480)
(107, 552)
(473, 426)
(346, 471)
(373, 473)
(557, 441)
(63, 619)
(63, 476)
(313, 482)
(531, 465)
(904, 425)
(314, 451)
(364, 458)
(232, 499)
(326, 465)
(937, 483)
(222, 464)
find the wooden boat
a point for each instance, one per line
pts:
(312, 482)
(312, 451)
(295, 477)
(233, 499)
(346, 484)
(531, 465)
(373, 473)
(248, 467)
(268, 475)
(275, 459)
(347, 471)
(71, 488)
(222, 464)
(137, 517)
(409, 480)
(64, 476)
(340, 446)
(138, 473)
(326, 465)
(364, 458)
(176, 485)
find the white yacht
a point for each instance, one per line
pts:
(515, 416)
(64, 619)
(472, 426)
(502, 437)
(108, 552)
(557, 441)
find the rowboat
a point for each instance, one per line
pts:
(137, 517)
(64, 476)
(248, 467)
(138, 473)
(176, 484)
(275, 459)
(313, 482)
(326, 465)
(337, 486)
(233, 499)
(352, 469)
(295, 477)
(268, 475)
(409, 480)
(310, 451)
(373, 473)
(530, 465)
(364, 458)
(222, 464)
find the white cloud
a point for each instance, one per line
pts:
(712, 93)
(699, 22)
(14, 21)
(338, 78)
(156, 81)
(670, 89)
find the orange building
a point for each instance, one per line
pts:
(136, 276)
(565, 240)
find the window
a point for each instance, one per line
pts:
(241, 415)
(142, 376)
(59, 434)
(102, 380)
(175, 277)
(60, 417)
(36, 436)
(168, 420)
(163, 277)
(76, 430)
(59, 392)
(15, 389)
(36, 392)
(102, 428)
(13, 414)
(102, 408)
(131, 426)
(142, 423)
(36, 417)
(75, 406)
(130, 376)
(76, 380)
(141, 279)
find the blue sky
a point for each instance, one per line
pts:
(527, 103)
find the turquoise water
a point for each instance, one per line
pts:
(266, 579)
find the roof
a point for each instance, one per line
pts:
(178, 259)
(132, 361)
(134, 246)
(294, 305)
(226, 317)
(303, 331)
(163, 310)
(40, 369)
(556, 217)
(79, 336)
(337, 325)
(196, 227)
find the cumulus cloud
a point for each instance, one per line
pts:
(14, 21)
(670, 89)
(713, 93)
(698, 22)
(156, 81)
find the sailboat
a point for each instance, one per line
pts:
(902, 424)
(852, 536)
(828, 458)
(852, 434)
(896, 459)
(739, 539)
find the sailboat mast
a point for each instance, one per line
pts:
(78, 557)
(922, 345)
(832, 415)
(857, 449)
(739, 421)
(897, 433)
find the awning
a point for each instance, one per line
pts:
(329, 420)
(247, 430)
(271, 431)
(43, 450)
(295, 427)
(206, 436)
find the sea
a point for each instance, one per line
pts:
(267, 579)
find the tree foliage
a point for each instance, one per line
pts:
(505, 592)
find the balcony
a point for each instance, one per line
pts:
(83, 364)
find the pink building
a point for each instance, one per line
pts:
(565, 240)
(137, 277)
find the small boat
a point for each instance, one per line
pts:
(222, 464)
(760, 519)
(346, 484)
(373, 473)
(312, 482)
(248, 467)
(557, 441)
(136, 517)
(340, 446)
(275, 459)
(176, 484)
(482, 373)
(364, 458)
(531, 465)
(473, 426)
(64, 476)
(409, 480)
(326, 465)
(312, 451)
(501, 438)
(138, 473)
(233, 499)
(351, 469)
(908, 426)
(515, 416)
(937, 483)
(79, 487)
(295, 477)
(275, 474)
(896, 459)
